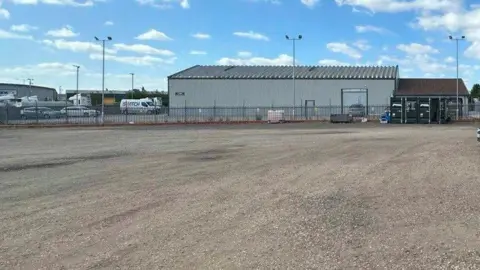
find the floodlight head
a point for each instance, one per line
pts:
(299, 36)
(109, 38)
(463, 37)
(96, 38)
(450, 37)
(286, 36)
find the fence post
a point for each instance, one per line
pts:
(6, 114)
(126, 110)
(36, 110)
(66, 110)
(185, 111)
(214, 110)
(243, 112)
(157, 111)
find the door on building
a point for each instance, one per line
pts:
(310, 109)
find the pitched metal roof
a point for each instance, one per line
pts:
(431, 87)
(285, 72)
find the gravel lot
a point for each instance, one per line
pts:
(258, 196)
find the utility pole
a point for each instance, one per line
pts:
(133, 75)
(293, 71)
(456, 42)
(30, 86)
(78, 69)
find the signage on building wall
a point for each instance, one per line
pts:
(179, 93)
(8, 92)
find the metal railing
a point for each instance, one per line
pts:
(50, 115)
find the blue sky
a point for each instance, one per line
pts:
(43, 39)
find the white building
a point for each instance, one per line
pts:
(267, 86)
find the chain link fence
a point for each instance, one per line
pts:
(92, 115)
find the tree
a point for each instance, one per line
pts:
(475, 92)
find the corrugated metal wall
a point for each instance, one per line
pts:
(207, 92)
(25, 90)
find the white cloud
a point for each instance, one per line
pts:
(165, 4)
(424, 62)
(393, 6)
(4, 14)
(465, 22)
(362, 45)
(370, 28)
(194, 52)
(146, 60)
(142, 49)
(64, 32)
(344, 49)
(449, 60)
(275, 2)
(24, 28)
(332, 62)
(108, 23)
(76, 46)
(39, 70)
(153, 34)
(251, 35)
(201, 36)
(415, 48)
(282, 59)
(73, 3)
(310, 3)
(55, 74)
(244, 54)
(10, 35)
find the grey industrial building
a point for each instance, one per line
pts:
(22, 90)
(266, 86)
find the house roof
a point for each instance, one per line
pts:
(285, 72)
(431, 87)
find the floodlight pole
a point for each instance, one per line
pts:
(456, 43)
(103, 75)
(78, 68)
(293, 70)
(133, 75)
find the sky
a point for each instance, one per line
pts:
(44, 40)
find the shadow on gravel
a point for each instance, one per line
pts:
(329, 132)
(209, 154)
(57, 162)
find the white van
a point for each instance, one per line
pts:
(132, 106)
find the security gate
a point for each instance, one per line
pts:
(309, 109)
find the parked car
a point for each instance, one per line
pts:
(79, 111)
(357, 110)
(40, 112)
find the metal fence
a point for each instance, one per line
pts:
(50, 115)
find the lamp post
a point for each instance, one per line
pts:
(78, 68)
(103, 74)
(293, 39)
(133, 75)
(456, 42)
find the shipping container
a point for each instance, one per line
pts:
(414, 110)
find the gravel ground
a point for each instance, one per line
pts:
(277, 196)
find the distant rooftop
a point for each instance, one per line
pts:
(285, 72)
(431, 87)
(84, 91)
